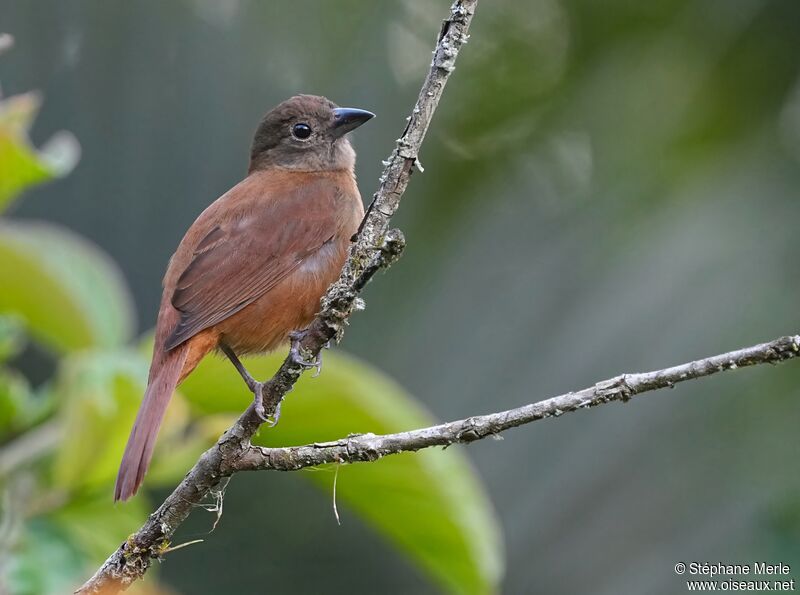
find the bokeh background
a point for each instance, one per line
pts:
(609, 187)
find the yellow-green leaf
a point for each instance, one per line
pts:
(21, 165)
(98, 394)
(43, 561)
(430, 504)
(11, 336)
(95, 525)
(67, 291)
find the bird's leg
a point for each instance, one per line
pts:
(297, 357)
(256, 387)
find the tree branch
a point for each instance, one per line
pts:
(375, 247)
(369, 447)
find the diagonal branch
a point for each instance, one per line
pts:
(369, 447)
(375, 247)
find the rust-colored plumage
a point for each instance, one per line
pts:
(254, 265)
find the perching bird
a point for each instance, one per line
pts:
(253, 266)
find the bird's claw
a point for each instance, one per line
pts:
(275, 417)
(298, 357)
(258, 403)
(258, 400)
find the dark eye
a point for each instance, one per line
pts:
(301, 131)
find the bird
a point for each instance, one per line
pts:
(249, 273)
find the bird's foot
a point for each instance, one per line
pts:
(258, 398)
(296, 353)
(260, 408)
(256, 387)
(275, 417)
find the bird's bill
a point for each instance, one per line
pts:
(346, 119)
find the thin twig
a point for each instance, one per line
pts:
(375, 247)
(336, 508)
(369, 447)
(180, 546)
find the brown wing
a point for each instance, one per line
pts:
(238, 262)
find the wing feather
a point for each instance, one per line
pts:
(239, 261)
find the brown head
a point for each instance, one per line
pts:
(306, 133)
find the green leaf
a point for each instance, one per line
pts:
(99, 394)
(55, 553)
(69, 293)
(430, 504)
(13, 391)
(20, 164)
(11, 336)
(20, 406)
(44, 562)
(96, 526)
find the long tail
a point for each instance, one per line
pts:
(163, 380)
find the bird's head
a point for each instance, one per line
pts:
(306, 133)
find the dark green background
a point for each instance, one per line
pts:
(608, 187)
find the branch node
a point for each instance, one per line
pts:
(471, 430)
(615, 389)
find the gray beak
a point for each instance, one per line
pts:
(346, 119)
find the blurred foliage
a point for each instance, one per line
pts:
(94, 306)
(60, 443)
(20, 164)
(439, 512)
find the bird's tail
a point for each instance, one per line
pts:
(139, 450)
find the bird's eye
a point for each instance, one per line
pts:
(301, 131)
